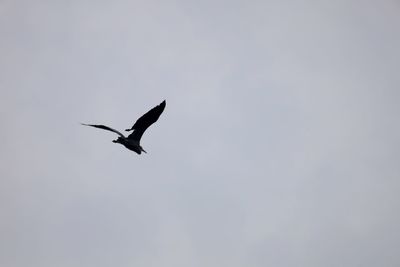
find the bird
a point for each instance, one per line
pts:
(132, 142)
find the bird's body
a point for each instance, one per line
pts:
(132, 142)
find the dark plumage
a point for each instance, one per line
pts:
(132, 142)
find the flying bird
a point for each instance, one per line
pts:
(132, 142)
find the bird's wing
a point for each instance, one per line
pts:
(145, 121)
(149, 118)
(104, 128)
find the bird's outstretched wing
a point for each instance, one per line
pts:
(104, 128)
(145, 121)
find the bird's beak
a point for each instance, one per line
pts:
(144, 151)
(114, 141)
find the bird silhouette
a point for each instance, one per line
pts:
(132, 142)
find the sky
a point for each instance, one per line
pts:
(279, 145)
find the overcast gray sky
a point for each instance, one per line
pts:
(279, 145)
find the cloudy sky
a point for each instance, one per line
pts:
(279, 145)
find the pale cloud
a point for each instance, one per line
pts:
(278, 147)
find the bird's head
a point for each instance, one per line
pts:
(118, 140)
